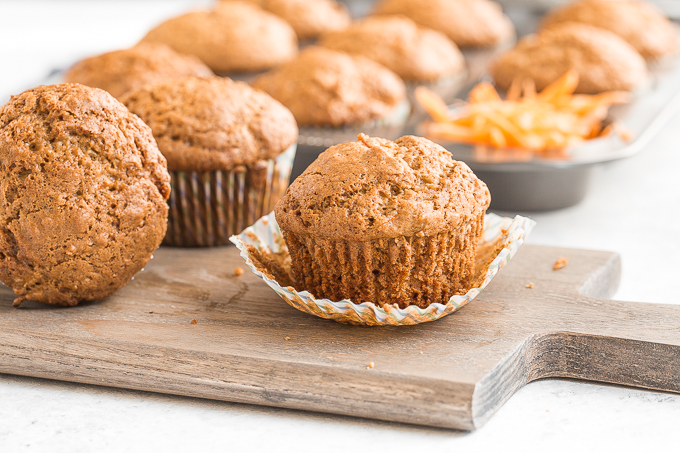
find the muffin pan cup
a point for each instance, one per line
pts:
(502, 236)
(206, 208)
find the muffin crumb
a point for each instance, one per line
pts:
(560, 263)
(238, 271)
(194, 321)
(370, 365)
(287, 338)
(529, 285)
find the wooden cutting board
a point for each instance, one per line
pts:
(452, 373)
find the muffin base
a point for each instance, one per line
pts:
(402, 271)
(206, 208)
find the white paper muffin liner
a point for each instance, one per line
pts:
(266, 237)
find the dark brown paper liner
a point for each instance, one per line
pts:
(206, 208)
(403, 270)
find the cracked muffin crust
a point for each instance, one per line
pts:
(412, 52)
(309, 18)
(236, 37)
(603, 60)
(468, 23)
(324, 87)
(82, 194)
(641, 24)
(205, 124)
(123, 70)
(386, 222)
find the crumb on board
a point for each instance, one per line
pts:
(238, 271)
(287, 338)
(560, 263)
(194, 321)
(151, 313)
(370, 365)
(18, 301)
(529, 285)
(421, 352)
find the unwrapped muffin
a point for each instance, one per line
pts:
(641, 24)
(236, 37)
(229, 147)
(384, 222)
(469, 23)
(412, 52)
(83, 192)
(323, 87)
(123, 70)
(603, 60)
(309, 18)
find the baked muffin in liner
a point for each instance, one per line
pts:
(266, 254)
(207, 207)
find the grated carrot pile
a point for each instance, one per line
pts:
(553, 119)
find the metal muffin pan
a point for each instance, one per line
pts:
(538, 184)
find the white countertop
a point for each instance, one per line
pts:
(631, 208)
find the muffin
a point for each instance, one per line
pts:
(641, 24)
(309, 18)
(469, 23)
(236, 37)
(83, 192)
(603, 60)
(384, 222)
(229, 148)
(123, 70)
(414, 53)
(323, 87)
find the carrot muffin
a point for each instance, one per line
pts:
(413, 52)
(309, 18)
(639, 23)
(603, 60)
(236, 37)
(123, 70)
(82, 194)
(469, 23)
(229, 147)
(384, 222)
(323, 87)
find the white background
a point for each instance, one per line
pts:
(632, 208)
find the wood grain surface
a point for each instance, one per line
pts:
(452, 373)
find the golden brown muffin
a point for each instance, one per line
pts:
(309, 18)
(469, 23)
(123, 70)
(205, 124)
(236, 37)
(323, 87)
(82, 194)
(384, 222)
(230, 150)
(641, 24)
(414, 53)
(603, 60)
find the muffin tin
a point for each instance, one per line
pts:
(540, 184)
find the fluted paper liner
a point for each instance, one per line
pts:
(206, 208)
(501, 239)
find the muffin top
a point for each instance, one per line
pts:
(375, 188)
(323, 87)
(411, 51)
(309, 18)
(206, 124)
(603, 60)
(469, 23)
(83, 192)
(639, 23)
(236, 37)
(123, 70)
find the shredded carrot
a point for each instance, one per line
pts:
(551, 120)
